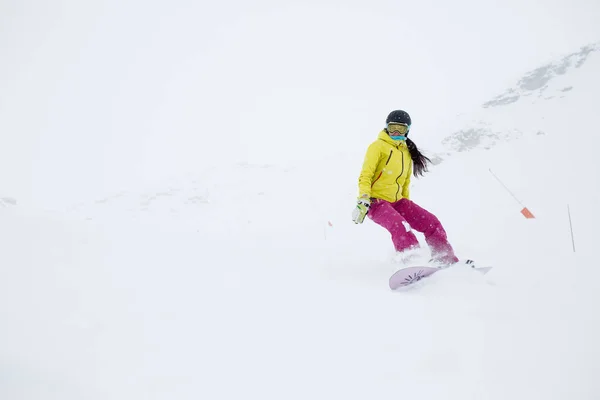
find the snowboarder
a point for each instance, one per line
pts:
(384, 193)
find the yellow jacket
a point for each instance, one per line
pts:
(386, 170)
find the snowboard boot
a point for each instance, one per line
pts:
(441, 264)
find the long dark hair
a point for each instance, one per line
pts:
(420, 161)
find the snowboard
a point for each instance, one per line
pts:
(409, 275)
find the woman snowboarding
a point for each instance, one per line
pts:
(384, 193)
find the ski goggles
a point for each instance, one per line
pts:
(394, 127)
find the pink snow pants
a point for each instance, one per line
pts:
(399, 217)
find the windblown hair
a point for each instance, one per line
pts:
(420, 161)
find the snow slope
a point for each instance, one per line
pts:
(250, 281)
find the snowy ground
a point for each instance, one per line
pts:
(233, 284)
(247, 279)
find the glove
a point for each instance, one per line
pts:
(362, 208)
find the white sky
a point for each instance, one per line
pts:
(96, 95)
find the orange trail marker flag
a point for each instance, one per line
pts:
(525, 211)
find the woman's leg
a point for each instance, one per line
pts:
(384, 214)
(427, 223)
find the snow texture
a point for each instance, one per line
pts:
(248, 280)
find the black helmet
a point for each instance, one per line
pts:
(398, 116)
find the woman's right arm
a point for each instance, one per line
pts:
(367, 174)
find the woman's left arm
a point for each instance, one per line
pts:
(406, 187)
